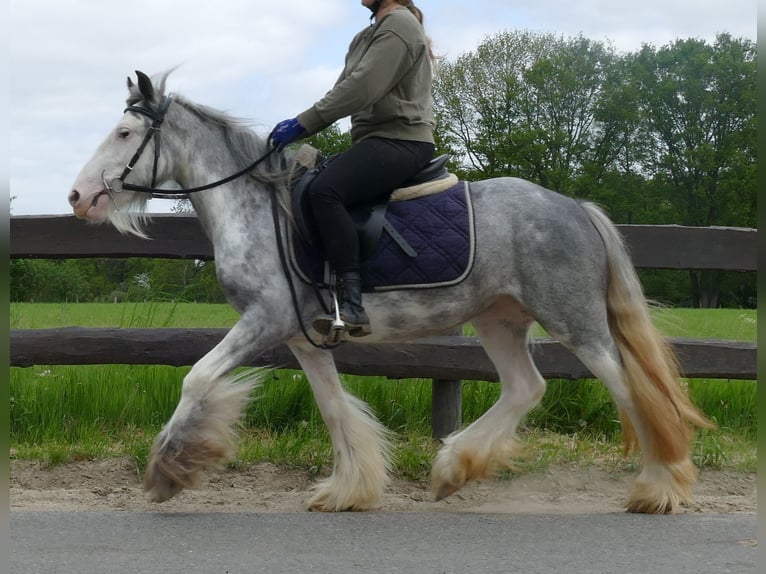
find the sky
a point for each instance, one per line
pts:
(256, 59)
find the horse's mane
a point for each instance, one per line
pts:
(242, 142)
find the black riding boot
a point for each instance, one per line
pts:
(349, 290)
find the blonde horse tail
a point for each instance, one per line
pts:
(663, 412)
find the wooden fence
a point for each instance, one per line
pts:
(447, 359)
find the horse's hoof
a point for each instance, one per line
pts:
(163, 492)
(159, 487)
(445, 490)
(320, 508)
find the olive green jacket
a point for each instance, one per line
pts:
(385, 86)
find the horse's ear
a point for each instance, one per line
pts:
(130, 84)
(145, 86)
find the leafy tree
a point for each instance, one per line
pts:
(331, 140)
(698, 109)
(475, 102)
(698, 105)
(44, 280)
(659, 136)
(530, 106)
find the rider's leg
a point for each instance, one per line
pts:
(366, 172)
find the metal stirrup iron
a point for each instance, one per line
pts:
(338, 327)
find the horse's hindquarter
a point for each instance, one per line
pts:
(540, 247)
(532, 244)
(523, 228)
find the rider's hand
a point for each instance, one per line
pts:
(285, 132)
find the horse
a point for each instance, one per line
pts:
(540, 257)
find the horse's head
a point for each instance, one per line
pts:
(128, 152)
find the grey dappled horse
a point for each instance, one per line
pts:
(540, 257)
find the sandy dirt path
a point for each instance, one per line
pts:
(114, 485)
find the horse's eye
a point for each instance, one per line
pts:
(123, 133)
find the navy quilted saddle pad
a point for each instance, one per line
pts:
(440, 228)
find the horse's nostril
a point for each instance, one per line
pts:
(74, 197)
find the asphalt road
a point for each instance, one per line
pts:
(390, 543)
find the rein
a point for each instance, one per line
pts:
(291, 283)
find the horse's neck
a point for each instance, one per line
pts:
(201, 156)
(237, 213)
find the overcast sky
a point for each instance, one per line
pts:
(257, 59)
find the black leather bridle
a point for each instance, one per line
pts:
(118, 184)
(157, 117)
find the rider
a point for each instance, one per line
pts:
(386, 89)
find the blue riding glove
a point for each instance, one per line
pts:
(285, 132)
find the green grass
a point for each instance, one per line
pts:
(125, 315)
(60, 413)
(733, 324)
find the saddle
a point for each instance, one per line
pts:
(369, 219)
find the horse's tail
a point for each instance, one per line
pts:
(651, 369)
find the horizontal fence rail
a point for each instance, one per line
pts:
(180, 236)
(448, 357)
(446, 360)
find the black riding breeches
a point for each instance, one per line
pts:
(366, 172)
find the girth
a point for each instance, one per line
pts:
(369, 219)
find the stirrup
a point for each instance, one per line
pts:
(337, 327)
(328, 326)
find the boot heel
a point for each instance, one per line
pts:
(359, 331)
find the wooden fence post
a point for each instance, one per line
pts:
(446, 407)
(446, 403)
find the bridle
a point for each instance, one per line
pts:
(118, 184)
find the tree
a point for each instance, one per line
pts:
(44, 280)
(475, 102)
(698, 105)
(529, 106)
(698, 108)
(330, 140)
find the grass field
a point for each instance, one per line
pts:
(60, 413)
